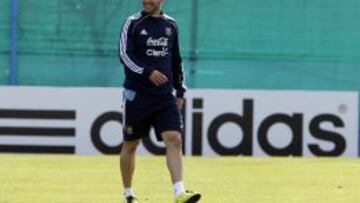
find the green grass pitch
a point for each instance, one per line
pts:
(83, 179)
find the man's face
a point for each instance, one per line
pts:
(151, 6)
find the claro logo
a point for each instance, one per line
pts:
(250, 133)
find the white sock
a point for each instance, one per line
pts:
(178, 188)
(128, 192)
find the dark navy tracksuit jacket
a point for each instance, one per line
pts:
(148, 43)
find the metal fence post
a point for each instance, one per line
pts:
(13, 42)
(193, 42)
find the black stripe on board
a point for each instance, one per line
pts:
(38, 131)
(37, 114)
(37, 149)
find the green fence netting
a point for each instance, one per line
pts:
(4, 40)
(268, 44)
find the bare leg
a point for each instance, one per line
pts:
(174, 161)
(127, 161)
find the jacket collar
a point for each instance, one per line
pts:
(145, 13)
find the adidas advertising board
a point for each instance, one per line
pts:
(88, 121)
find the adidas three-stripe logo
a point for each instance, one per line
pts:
(143, 32)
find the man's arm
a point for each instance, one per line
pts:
(178, 73)
(127, 54)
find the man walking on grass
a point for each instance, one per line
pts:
(149, 50)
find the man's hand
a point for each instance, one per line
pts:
(158, 78)
(180, 102)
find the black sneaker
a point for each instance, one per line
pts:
(131, 199)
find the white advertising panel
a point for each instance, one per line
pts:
(88, 121)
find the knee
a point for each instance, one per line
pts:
(173, 140)
(130, 146)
